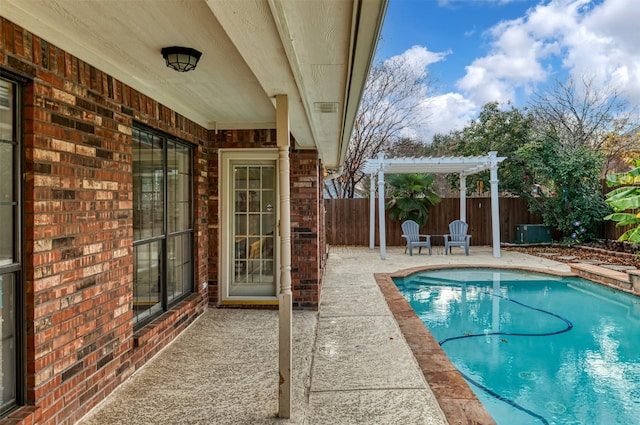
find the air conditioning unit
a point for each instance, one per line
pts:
(532, 233)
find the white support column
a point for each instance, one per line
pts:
(381, 220)
(285, 297)
(463, 197)
(495, 204)
(372, 211)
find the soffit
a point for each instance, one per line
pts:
(316, 52)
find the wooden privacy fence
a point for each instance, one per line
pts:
(347, 221)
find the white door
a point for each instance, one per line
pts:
(250, 240)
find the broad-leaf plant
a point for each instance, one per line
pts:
(626, 198)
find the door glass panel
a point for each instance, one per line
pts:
(253, 188)
(268, 178)
(240, 177)
(254, 177)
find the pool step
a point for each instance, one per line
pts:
(607, 276)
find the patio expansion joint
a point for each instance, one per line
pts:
(351, 316)
(347, 390)
(314, 349)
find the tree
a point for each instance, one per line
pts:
(560, 179)
(443, 144)
(501, 130)
(581, 115)
(571, 179)
(411, 197)
(625, 198)
(406, 147)
(392, 96)
(566, 156)
(621, 147)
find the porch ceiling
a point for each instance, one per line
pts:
(317, 52)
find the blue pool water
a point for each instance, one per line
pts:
(536, 349)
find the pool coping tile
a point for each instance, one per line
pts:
(458, 402)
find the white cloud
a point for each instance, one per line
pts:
(429, 113)
(576, 37)
(608, 47)
(441, 114)
(418, 58)
(555, 39)
(480, 86)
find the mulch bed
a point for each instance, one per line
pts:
(580, 252)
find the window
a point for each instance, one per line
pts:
(162, 222)
(10, 245)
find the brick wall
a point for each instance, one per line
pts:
(80, 342)
(307, 228)
(307, 214)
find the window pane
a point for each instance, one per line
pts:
(6, 110)
(6, 169)
(179, 266)
(8, 200)
(146, 280)
(6, 234)
(9, 240)
(8, 342)
(137, 189)
(183, 212)
(148, 184)
(179, 202)
(163, 184)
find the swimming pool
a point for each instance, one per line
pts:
(535, 348)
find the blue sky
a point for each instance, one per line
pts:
(477, 51)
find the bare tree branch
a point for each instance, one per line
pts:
(389, 104)
(580, 116)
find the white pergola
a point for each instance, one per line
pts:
(464, 166)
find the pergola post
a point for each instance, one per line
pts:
(381, 220)
(372, 211)
(495, 203)
(463, 197)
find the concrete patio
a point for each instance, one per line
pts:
(351, 363)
